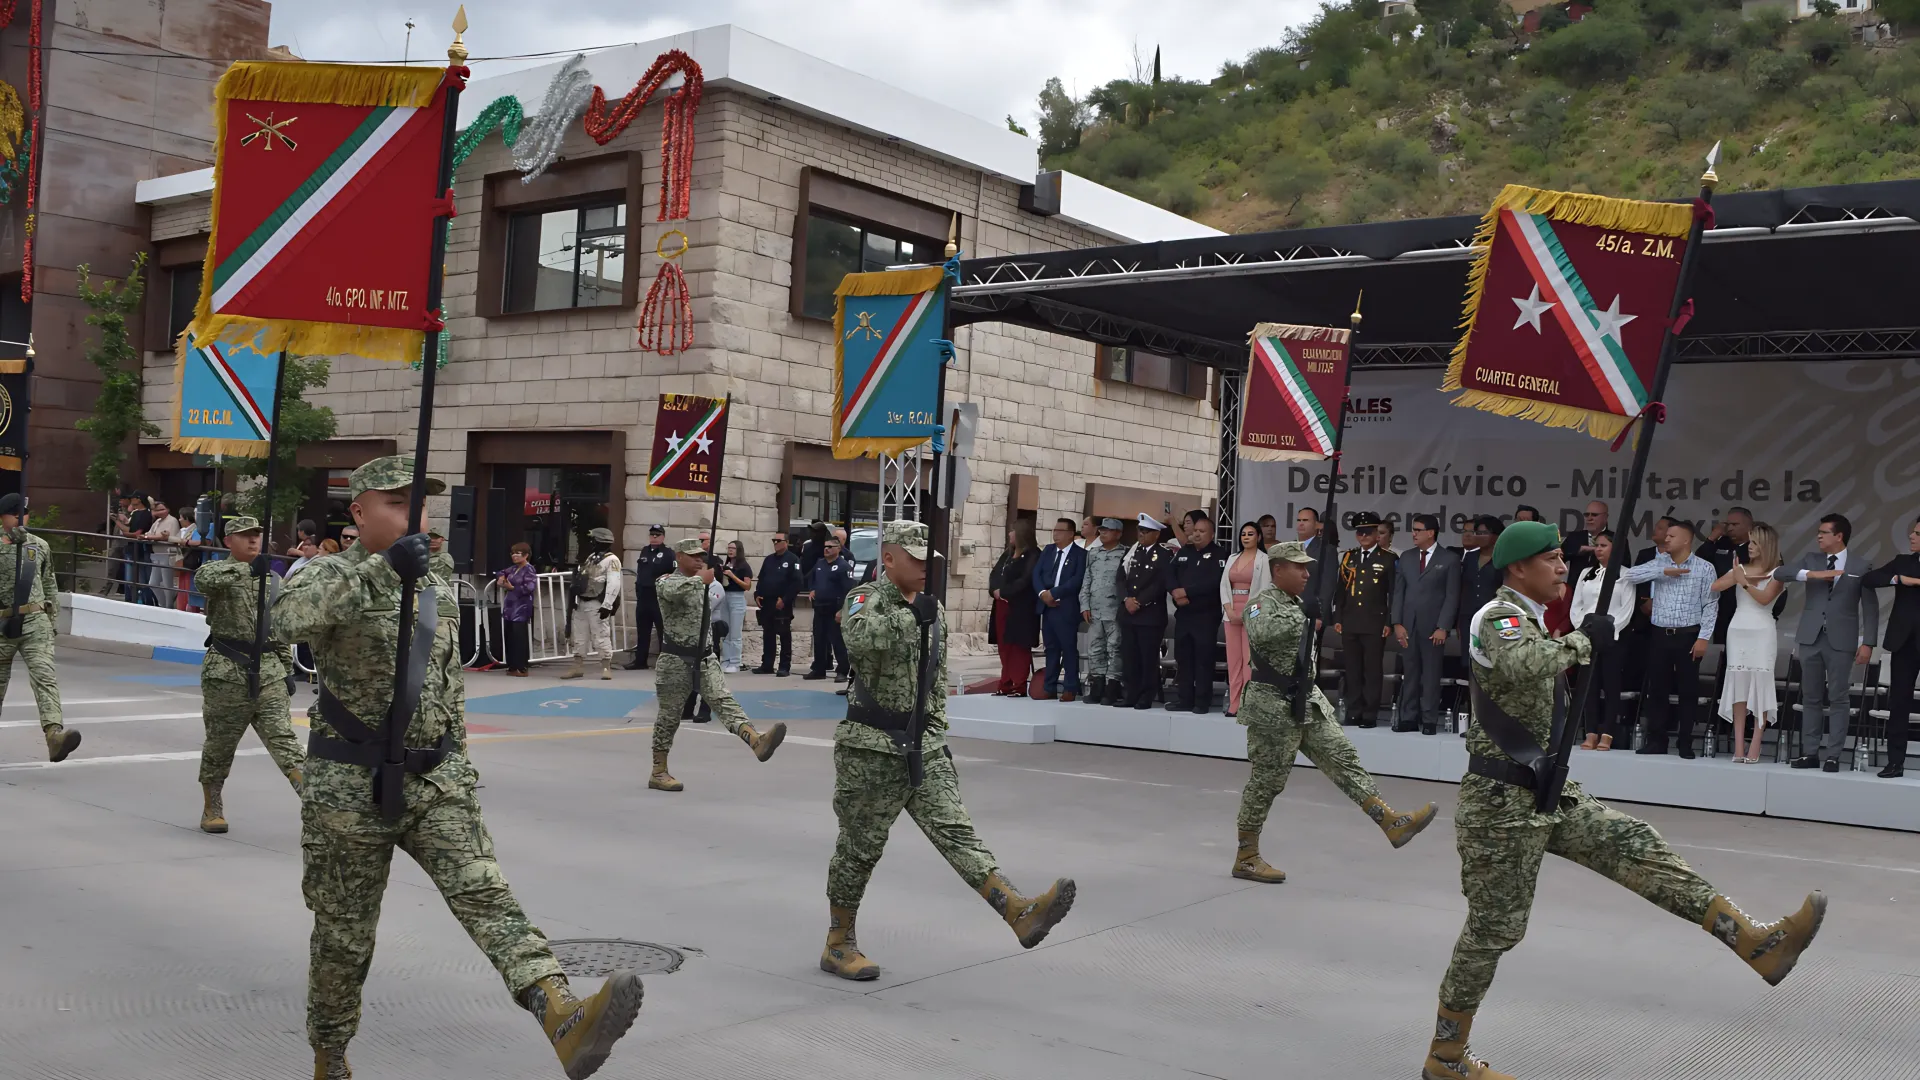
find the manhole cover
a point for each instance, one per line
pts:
(596, 958)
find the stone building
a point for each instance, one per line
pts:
(802, 172)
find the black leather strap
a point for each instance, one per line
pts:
(862, 709)
(1506, 772)
(373, 756)
(240, 652)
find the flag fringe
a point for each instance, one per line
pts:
(1600, 425)
(328, 84)
(892, 282)
(676, 493)
(1261, 453)
(1295, 332)
(311, 338)
(13, 367)
(203, 444)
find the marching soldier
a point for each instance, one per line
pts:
(1101, 596)
(1502, 835)
(654, 563)
(28, 598)
(687, 664)
(890, 754)
(347, 608)
(1143, 613)
(1362, 606)
(231, 587)
(596, 595)
(1275, 621)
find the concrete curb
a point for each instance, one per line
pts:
(164, 653)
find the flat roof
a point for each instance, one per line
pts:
(740, 60)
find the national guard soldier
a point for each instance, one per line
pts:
(777, 590)
(1275, 621)
(1101, 598)
(1503, 835)
(1362, 607)
(687, 664)
(232, 698)
(654, 563)
(347, 607)
(596, 596)
(1143, 613)
(28, 598)
(439, 559)
(890, 754)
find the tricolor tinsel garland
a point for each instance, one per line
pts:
(666, 319)
(34, 63)
(676, 124)
(567, 97)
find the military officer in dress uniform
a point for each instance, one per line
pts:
(1362, 602)
(1100, 596)
(28, 598)
(232, 592)
(1143, 613)
(777, 590)
(1195, 587)
(654, 563)
(1275, 621)
(687, 665)
(596, 596)
(1517, 670)
(347, 607)
(890, 755)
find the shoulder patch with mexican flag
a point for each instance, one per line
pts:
(1508, 627)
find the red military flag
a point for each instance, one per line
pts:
(689, 441)
(1567, 306)
(1296, 377)
(324, 208)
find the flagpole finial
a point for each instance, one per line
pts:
(29, 345)
(457, 52)
(1710, 178)
(953, 236)
(1355, 317)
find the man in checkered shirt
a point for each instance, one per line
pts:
(1684, 609)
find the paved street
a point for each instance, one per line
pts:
(135, 947)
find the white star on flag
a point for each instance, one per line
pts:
(1531, 308)
(673, 442)
(703, 443)
(1610, 322)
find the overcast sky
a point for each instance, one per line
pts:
(985, 57)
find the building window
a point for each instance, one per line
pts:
(835, 502)
(183, 296)
(570, 258)
(1125, 364)
(836, 248)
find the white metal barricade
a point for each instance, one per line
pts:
(463, 591)
(551, 635)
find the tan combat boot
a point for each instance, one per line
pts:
(583, 1032)
(842, 955)
(213, 816)
(1030, 917)
(1768, 948)
(61, 742)
(1399, 827)
(763, 746)
(1448, 1059)
(661, 780)
(606, 667)
(1249, 866)
(578, 670)
(330, 1063)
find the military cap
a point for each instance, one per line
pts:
(1524, 540)
(1289, 551)
(13, 503)
(602, 534)
(1110, 523)
(656, 530)
(910, 535)
(689, 546)
(436, 534)
(1366, 519)
(390, 473)
(1147, 522)
(243, 524)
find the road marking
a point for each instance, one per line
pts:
(1801, 858)
(83, 721)
(127, 759)
(534, 736)
(91, 701)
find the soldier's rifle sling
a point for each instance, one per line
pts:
(389, 787)
(24, 572)
(917, 727)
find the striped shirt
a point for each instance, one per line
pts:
(1687, 600)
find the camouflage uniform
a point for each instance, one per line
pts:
(682, 599)
(1101, 598)
(347, 609)
(232, 596)
(35, 643)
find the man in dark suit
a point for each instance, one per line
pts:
(1578, 546)
(1309, 531)
(1362, 610)
(1426, 602)
(1194, 584)
(1057, 578)
(1838, 628)
(1143, 612)
(1902, 644)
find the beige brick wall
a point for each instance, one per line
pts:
(1043, 412)
(175, 220)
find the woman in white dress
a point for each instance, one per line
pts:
(1604, 714)
(1752, 643)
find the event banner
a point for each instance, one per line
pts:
(223, 399)
(14, 379)
(1291, 399)
(1566, 307)
(689, 439)
(324, 208)
(1787, 441)
(887, 352)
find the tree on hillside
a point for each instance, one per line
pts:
(1905, 12)
(1337, 40)
(1601, 46)
(1062, 119)
(1453, 23)
(1898, 80)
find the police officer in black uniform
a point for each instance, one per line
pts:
(1143, 613)
(829, 584)
(655, 562)
(776, 590)
(1195, 586)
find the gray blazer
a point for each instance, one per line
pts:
(1426, 602)
(1849, 612)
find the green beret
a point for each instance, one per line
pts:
(1524, 540)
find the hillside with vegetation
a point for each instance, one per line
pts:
(1356, 117)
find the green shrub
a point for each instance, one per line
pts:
(1596, 48)
(1822, 39)
(1775, 72)
(1695, 105)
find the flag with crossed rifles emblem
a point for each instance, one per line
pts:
(887, 353)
